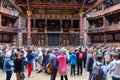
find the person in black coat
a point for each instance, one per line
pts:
(90, 64)
(18, 66)
(79, 62)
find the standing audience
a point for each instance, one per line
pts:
(62, 65)
(53, 64)
(18, 66)
(73, 61)
(8, 65)
(13, 58)
(30, 57)
(114, 67)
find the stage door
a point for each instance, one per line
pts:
(53, 39)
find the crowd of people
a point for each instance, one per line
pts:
(98, 60)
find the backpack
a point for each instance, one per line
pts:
(98, 73)
(80, 55)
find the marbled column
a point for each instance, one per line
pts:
(29, 28)
(81, 27)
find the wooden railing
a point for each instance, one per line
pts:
(72, 30)
(115, 27)
(106, 11)
(95, 30)
(8, 29)
(8, 11)
(95, 14)
(35, 30)
(112, 9)
(66, 30)
(76, 29)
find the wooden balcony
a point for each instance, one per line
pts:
(115, 27)
(37, 30)
(96, 30)
(106, 11)
(111, 28)
(65, 30)
(112, 9)
(76, 30)
(95, 14)
(8, 29)
(8, 11)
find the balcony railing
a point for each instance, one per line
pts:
(8, 11)
(96, 30)
(8, 29)
(66, 30)
(106, 11)
(112, 9)
(71, 30)
(35, 30)
(95, 14)
(115, 27)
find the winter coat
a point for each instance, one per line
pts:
(73, 59)
(62, 64)
(8, 64)
(30, 58)
(19, 66)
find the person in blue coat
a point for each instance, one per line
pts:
(8, 65)
(73, 61)
(30, 57)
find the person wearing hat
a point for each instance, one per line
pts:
(53, 64)
(8, 65)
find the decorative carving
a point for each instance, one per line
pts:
(29, 12)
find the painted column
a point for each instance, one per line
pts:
(19, 32)
(29, 28)
(0, 14)
(61, 32)
(86, 37)
(0, 20)
(81, 27)
(45, 42)
(104, 23)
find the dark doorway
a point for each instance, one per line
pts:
(76, 40)
(53, 39)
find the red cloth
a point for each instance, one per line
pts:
(30, 67)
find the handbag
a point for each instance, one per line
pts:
(48, 68)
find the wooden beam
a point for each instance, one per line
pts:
(83, 5)
(17, 7)
(54, 5)
(96, 4)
